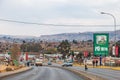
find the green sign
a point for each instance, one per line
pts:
(101, 44)
(15, 62)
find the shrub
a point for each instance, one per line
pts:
(9, 69)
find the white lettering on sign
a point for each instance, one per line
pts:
(104, 49)
(98, 48)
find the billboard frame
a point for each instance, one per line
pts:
(101, 44)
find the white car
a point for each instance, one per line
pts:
(38, 62)
(67, 64)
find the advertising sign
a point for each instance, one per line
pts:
(116, 51)
(101, 44)
(85, 53)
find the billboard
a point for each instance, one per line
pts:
(85, 53)
(101, 44)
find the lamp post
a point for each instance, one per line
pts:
(114, 19)
(114, 24)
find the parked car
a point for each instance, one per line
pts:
(67, 64)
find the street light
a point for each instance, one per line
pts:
(114, 19)
(114, 24)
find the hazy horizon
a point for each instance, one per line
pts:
(53, 34)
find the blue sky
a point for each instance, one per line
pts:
(71, 12)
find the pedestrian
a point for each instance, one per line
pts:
(93, 62)
(86, 68)
(100, 60)
(96, 63)
(28, 63)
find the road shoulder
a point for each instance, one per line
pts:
(4, 74)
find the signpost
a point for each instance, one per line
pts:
(101, 44)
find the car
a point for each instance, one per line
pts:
(67, 64)
(38, 62)
(49, 63)
(32, 63)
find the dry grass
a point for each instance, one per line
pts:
(3, 68)
(103, 67)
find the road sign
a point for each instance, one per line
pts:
(101, 44)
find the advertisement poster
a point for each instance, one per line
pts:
(101, 44)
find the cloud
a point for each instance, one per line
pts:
(77, 12)
(94, 2)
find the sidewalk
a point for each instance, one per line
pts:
(4, 74)
(103, 67)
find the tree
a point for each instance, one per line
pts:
(37, 47)
(64, 48)
(31, 47)
(75, 41)
(79, 57)
(89, 40)
(50, 51)
(118, 43)
(15, 49)
(89, 54)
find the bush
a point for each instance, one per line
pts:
(20, 66)
(9, 69)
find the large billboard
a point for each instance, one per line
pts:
(101, 44)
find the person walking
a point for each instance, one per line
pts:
(86, 68)
(93, 62)
(96, 63)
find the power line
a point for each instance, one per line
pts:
(65, 25)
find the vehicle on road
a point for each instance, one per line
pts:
(67, 64)
(49, 63)
(38, 62)
(32, 62)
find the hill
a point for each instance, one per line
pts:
(78, 36)
(58, 37)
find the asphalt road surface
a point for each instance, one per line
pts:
(105, 73)
(44, 73)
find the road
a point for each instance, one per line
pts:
(52, 73)
(104, 73)
(44, 73)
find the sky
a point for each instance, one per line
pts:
(57, 12)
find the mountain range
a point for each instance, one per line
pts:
(59, 37)
(79, 36)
